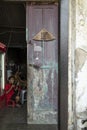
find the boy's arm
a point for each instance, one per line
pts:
(7, 91)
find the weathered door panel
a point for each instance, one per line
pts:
(42, 65)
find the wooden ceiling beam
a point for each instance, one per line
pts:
(12, 27)
(31, 1)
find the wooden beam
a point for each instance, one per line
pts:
(13, 27)
(31, 0)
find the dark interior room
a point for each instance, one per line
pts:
(13, 34)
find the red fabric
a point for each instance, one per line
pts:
(10, 103)
(2, 47)
(2, 97)
(8, 95)
(2, 101)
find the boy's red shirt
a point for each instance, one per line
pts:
(9, 95)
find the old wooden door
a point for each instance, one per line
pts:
(42, 64)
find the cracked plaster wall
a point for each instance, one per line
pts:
(77, 64)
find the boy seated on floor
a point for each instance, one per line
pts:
(12, 91)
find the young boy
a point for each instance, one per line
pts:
(12, 91)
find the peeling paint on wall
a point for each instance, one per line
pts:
(81, 63)
(42, 89)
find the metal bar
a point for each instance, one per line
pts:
(63, 65)
(34, 0)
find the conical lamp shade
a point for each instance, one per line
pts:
(43, 35)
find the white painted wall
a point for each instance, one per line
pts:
(77, 84)
(81, 42)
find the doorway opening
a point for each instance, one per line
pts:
(17, 61)
(13, 35)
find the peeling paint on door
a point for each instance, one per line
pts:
(42, 67)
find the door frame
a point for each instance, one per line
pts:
(63, 64)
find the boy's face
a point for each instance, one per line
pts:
(11, 81)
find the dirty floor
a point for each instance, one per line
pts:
(16, 119)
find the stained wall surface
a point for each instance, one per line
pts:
(78, 64)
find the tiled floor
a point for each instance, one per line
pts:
(16, 119)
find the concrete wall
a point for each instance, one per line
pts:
(77, 64)
(81, 62)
